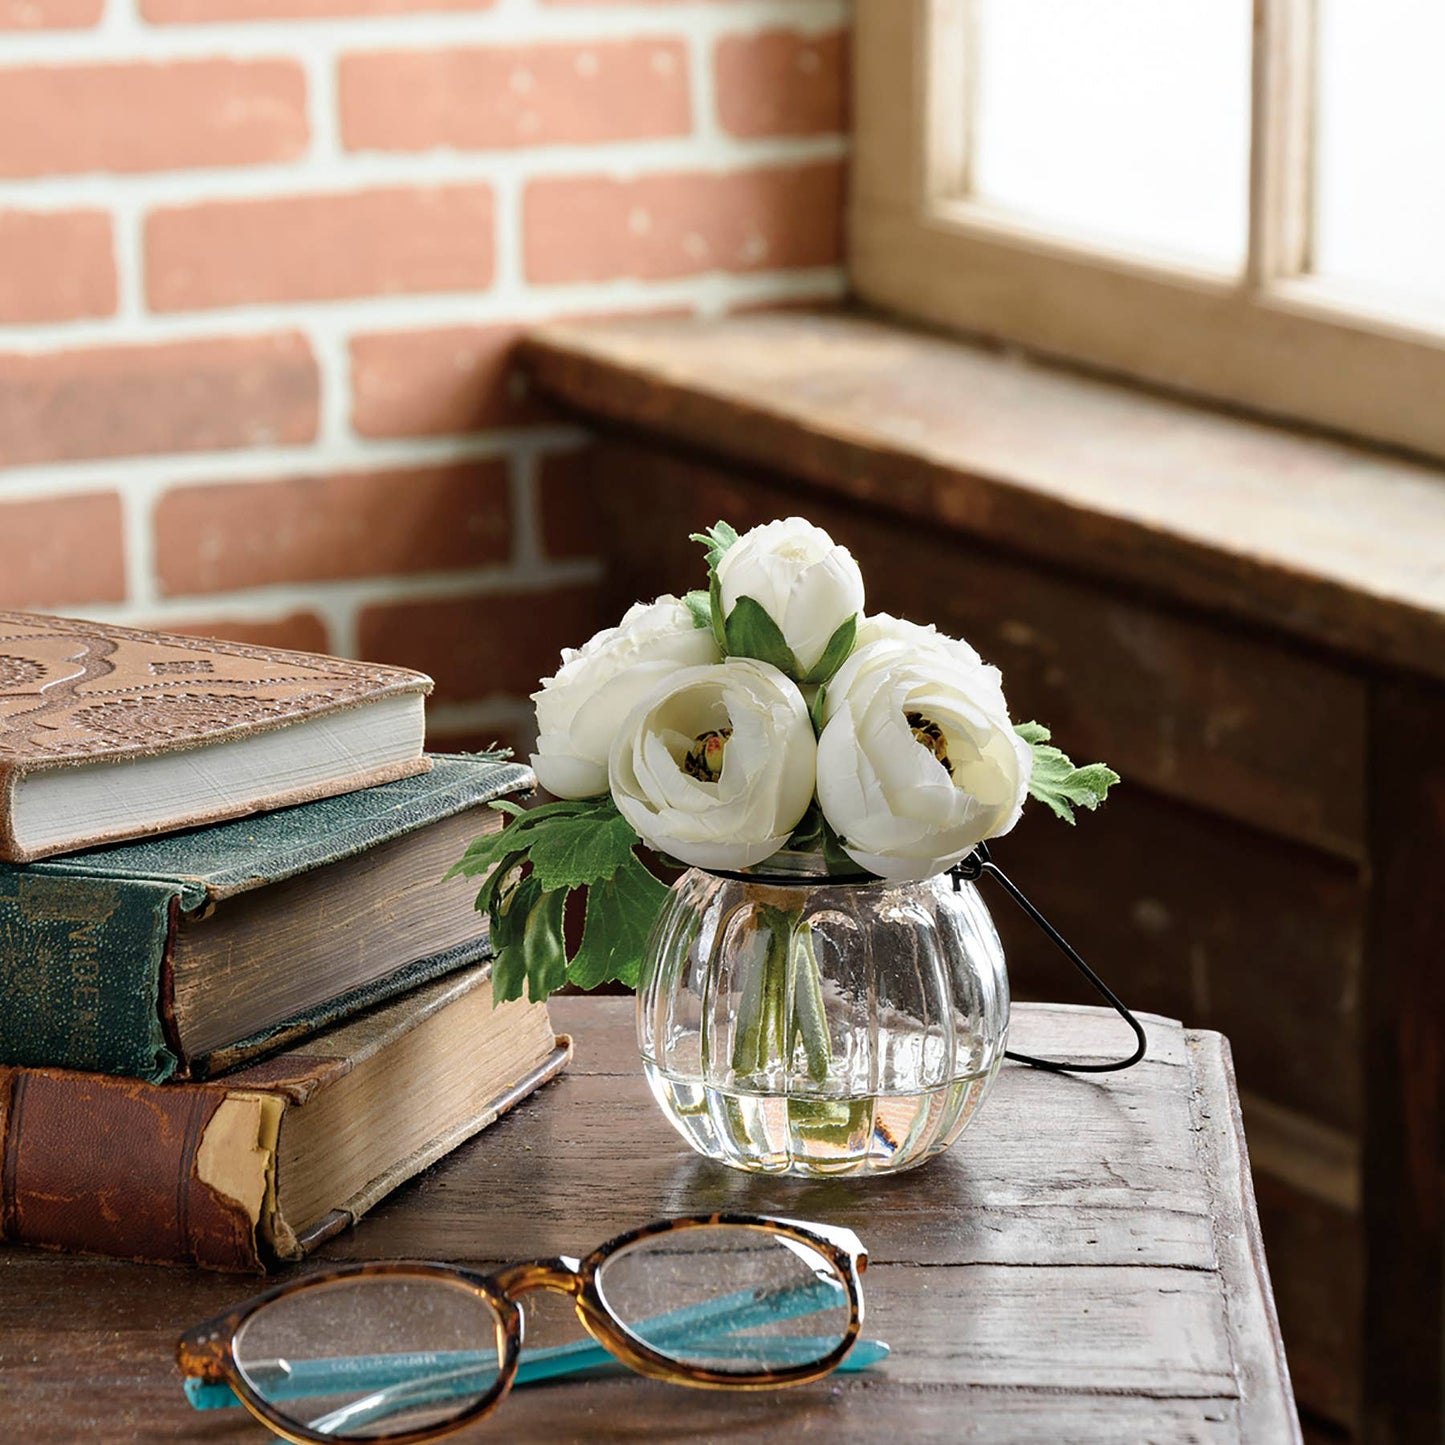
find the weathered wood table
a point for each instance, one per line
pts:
(1083, 1265)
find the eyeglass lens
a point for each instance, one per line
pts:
(372, 1356)
(736, 1300)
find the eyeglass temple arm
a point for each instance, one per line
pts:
(742, 1310)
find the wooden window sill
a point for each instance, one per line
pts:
(1338, 545)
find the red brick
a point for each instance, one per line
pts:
(62, 550)
(190, 12)
(55, 265)
(150, 117)
(780, 82)
(437, 382)
(500, 96)
(319, 247)
(593, 228)
(300, 631)
(479, 647)
(180, 396)
(49, 14)
(569, 516)
(314, 529)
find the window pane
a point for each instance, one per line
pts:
(1126, 121)
(1380, 146)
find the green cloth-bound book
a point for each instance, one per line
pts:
(190, 953)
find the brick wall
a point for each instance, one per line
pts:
(262, 263)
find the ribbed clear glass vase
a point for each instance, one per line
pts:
(791, 1023)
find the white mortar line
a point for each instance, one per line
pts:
(333, 361)
(702, 48)
(271, 463)
(137, 508)
(321, 102)
(511, 300)
(129, 266)
(364, 170)
(526, 524)
(508, 279)
(340, 615)
(340, 600)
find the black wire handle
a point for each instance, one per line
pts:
(974, 867)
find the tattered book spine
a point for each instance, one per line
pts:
(175, 1175)
(84, 972)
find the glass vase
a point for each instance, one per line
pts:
(791, 1023)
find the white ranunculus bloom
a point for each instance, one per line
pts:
(800, 577)
(702, 794)
(918, 761)
(581, 707)
(883, 627)
(910, 643)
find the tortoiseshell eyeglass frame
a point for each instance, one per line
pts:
(205, 1352)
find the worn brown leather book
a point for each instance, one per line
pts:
(261, 1166)
(109, 733)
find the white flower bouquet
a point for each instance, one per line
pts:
(767, 714)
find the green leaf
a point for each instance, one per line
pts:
(586, 848)
(840, 644)
(487, 894)
(509, 964)
(505, 805)
(482, 853)
(561, 808)
(717, 539)
(1056, 782)
(527, 940)
(620, 915)
(700, 605)
(815, 708)
(752, 633)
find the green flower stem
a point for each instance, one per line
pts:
(749, 1047)
(767, 1028)
(810, 1020)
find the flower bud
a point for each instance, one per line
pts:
(807, 584)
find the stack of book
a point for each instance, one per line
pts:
(238, 1002)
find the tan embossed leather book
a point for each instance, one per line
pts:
(262, 1165)
(108, 733)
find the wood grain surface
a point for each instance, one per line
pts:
(1084, 1264)
(1326, 542)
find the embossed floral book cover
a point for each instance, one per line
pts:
(108, 733)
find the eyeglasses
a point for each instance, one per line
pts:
(408, 1352)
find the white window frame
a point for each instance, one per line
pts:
(1274, 339)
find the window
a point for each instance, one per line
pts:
(1244, 199)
